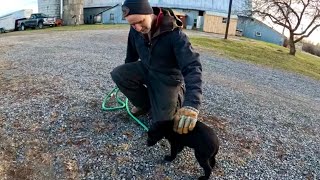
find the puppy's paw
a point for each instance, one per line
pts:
(203, 178)
(169, 158)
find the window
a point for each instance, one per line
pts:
(43, 15)
(258, 34)
(195, 23)
(224, 20)
(111, 16)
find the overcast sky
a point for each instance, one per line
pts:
(7, 6)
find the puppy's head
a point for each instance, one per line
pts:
(158, 131)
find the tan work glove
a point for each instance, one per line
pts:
(185, 119)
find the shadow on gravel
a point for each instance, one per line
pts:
(242, 148)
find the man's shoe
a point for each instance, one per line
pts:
(136, 111)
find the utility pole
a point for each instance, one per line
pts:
(228, 20)
(61, 9)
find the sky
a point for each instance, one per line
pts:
(8, 6)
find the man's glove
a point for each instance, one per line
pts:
(185, 119)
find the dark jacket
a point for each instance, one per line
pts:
(169, 56)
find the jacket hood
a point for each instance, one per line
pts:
(169, 20)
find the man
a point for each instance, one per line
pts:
(168, 78)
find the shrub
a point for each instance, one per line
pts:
(312, 49)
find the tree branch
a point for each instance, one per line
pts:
(291, 9)
(272, 18)
(310, 24)
(304, 36)
(285, 15)
(305, 5)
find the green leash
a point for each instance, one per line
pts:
(122, 104)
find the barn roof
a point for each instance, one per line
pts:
(221, 14)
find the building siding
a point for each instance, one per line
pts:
(252, 28)
(238, 7)
(90, 13)
(117, 16)
(191, 15)
(214, 24)
(50, 7)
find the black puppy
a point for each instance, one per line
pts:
(202, 139)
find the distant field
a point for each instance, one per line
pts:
(262, 53)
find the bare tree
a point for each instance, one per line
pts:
(299, 17)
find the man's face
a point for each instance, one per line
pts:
(140, 22)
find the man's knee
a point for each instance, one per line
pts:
(117, 74)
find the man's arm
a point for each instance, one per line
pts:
(132, 54)
(189, 63)
(186, 117)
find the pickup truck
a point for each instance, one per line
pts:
(36, 20)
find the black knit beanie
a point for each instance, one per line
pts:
(136, 7)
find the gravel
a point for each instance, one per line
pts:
(52, 127)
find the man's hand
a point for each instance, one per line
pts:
(185, 119)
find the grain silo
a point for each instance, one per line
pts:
(73, 12)
(50, 7)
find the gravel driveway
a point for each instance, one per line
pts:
(52, 127)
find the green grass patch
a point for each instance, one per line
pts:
(262, 53)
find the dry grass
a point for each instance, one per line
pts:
(37, 164)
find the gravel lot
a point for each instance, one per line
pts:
(52, 127)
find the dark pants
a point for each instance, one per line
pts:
(149, 89)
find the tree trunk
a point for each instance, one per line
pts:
(292, 45)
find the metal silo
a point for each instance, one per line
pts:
(73, 12)
(49, 7)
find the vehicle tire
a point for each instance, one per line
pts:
(22, 27)
(40, 25)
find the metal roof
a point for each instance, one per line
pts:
(221, 14)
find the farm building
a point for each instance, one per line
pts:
(203, 15)
(216, 23)
(252, 28)
(206, 15)
(193, 13)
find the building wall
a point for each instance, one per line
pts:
(205, 5)
(117, 16)
(214, 24)
(192, 15)
(72, 9)
(90, 13)
(251, 28)
(49, 7)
